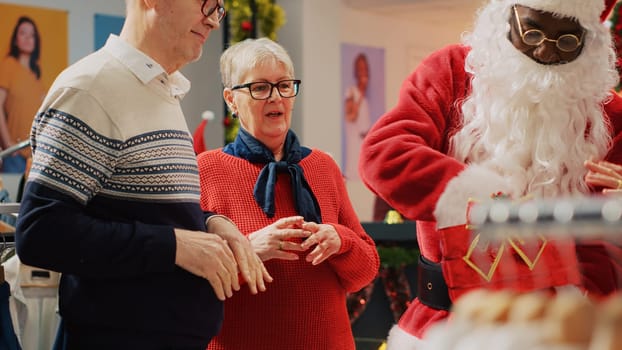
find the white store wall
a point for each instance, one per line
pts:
(310, 36)
(313, 35)
(406, 39)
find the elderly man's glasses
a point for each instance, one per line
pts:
(262, 90)
(219, 8)
(535, 37)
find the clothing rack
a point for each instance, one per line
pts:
(580, 217)
(16, 147)
(7, 241)
(7, 232)
(9, 209)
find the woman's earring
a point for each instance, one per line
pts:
(233, 114)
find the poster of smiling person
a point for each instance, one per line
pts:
(33, 51)
(363, 96)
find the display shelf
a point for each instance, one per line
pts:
(372, 326)
(381, 232)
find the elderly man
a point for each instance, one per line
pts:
(112, 199)
(513, 111)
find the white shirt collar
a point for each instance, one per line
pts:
(144, 67)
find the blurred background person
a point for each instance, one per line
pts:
(292, 204)
(357, 120)
(21, 91)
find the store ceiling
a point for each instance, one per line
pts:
(413, 9)
(376, 3)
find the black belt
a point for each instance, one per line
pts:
(431, 286)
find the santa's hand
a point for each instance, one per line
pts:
(475, 182)
(604, 174)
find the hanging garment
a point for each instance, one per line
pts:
(8, 339)
(33, 304)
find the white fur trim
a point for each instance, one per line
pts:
(586, 11)
(208, 115)
(400, 340)
(475, 182)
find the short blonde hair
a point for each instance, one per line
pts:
(244, 56)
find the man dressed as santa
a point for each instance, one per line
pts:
(513, 111)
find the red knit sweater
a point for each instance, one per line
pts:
(304, 308)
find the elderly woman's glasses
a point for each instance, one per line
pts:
(262, 90)
(219, 8)
(535, 37)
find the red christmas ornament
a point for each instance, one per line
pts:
(246, 26)
(357, 302)
(397, 289)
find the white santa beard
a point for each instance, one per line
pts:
(534, 123)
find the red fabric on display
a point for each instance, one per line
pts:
(602, 267)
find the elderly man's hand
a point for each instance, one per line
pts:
(249, 264)
(208, 256)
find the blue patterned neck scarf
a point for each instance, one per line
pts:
(247, 147)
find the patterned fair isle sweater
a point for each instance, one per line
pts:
(113, 173)
(305, 307)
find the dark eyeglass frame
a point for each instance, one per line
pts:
(249, 86)
(579, 40)
(219, 7)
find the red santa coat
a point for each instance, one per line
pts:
(404, 161)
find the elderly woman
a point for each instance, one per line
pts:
(292, 203)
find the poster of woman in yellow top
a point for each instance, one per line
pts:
(33, 51)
